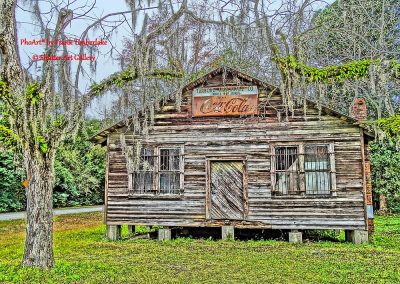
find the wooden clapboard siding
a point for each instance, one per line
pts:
(251, 138)
(227, 190)
(328, 212)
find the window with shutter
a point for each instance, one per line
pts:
(305, 169)
(287, 169)
(317, 169)
(169, 170)
(159, 171)
(143, 178)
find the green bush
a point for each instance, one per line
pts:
(79, 170)
(385, 172)
(12, 195)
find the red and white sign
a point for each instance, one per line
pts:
(224, 101)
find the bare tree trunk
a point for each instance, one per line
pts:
(39, 229)
(38, 166)
(382, 203)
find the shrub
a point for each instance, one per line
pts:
(385, 172)
(79, 171)
(12, 195)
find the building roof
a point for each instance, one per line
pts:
(101, 136)
(200, 80)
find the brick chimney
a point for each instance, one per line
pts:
(358, 109)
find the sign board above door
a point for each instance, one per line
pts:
(227, 100)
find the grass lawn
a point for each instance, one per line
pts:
(84, 256)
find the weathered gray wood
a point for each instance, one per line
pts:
(106, 195)
(113, 232)
(295, 237)
(357, 236)
(164, 234)
(251, 138)
(333, 168)
(227, 200)
(228, 233)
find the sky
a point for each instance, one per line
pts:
(105, 64)
(28, 30)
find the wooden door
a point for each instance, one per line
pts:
(226, 186)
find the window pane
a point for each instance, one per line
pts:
(164, 182)
(147, 159)
(175, 161)
(148, 181)
(286, 157)
(164, 159)
(143, 181)
(169, 182)
(138, 181)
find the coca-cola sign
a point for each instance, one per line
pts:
(237, 100)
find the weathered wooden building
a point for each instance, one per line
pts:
(233, 157)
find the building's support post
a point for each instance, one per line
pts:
(164, 234)
(357, 236)
(228, 232)
(113, 232)
(131, 229)
(295, 237)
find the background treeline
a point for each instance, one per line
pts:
(385, 170)
(80, 172)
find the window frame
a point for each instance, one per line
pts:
(315, 170)
(156, 193)
(180, 170)
(132, 174)
(298, 162)
(302, 180)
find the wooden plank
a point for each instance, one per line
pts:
(106, 183)
(227, 197)
(331, 151)
(364, 178)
